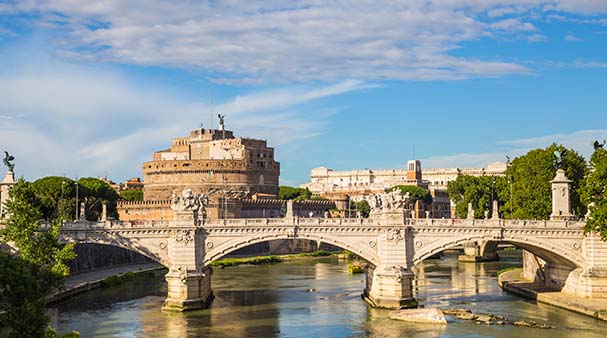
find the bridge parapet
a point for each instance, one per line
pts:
(490, 223)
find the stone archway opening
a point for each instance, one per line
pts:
(543, 264)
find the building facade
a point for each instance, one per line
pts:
(356, 184)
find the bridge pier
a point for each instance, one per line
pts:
(484, 251)
(188, 290)
(389, 288)
(188, 280)
(390, 285)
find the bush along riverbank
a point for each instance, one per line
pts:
(227, 262)
(116, 280)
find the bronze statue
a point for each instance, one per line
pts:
(598, 145)
(7, 161)
(221, 121)
(560, 158)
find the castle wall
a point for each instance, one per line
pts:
(220, 208)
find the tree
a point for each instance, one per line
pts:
(530, 176)
(40, 263)
(415, 193)
(362, 206)
(94, 193)
(22, 298)
(131, 195)
(57, 197)
(595, 192)
(480, 191)
(291, 193)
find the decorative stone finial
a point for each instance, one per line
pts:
(495, 213)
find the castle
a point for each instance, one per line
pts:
(239, 176)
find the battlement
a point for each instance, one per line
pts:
(144, 204)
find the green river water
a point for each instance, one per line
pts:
(317, 298)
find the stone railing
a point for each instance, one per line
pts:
(490, 223)
(358, 222)
(235, 222)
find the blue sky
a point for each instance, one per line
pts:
(93, 88)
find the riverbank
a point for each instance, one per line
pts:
(270, 259)
(513, 281)
(83, 282)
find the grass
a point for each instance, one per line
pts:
(116, 280)
(507, 269)
(223, 263)
(355, 268)
(226, 262)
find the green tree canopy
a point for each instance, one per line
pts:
(531, 188)
(94, 192)
(57, 197)
(132, 195)
(415, 193)
(39, 268)
(476, 190)
(362, 206)
(291, 193)
(595, 193)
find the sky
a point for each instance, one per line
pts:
(93, 88)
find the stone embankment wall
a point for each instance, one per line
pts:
(92, 257)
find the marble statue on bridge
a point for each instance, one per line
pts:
(393, 201)
(190, 202)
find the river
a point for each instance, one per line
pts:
(316, 298)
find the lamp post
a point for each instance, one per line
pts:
(510, 179)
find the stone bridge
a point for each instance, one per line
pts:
(391, 243)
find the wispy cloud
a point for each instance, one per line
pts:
(580, 141)
(569, 37)
(91, 121)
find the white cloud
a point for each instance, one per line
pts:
(296, 41)
(302, 40)
(580, 141)
(60, 118)
(572, 38)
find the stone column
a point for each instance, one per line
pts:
(495, 214)
(5, 187)
(188, 281)
(561, 204)
(104, 211)
(483, 251)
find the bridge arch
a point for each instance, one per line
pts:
(554, 253)
(214, 253)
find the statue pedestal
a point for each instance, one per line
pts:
(5, 187)
(561, 202)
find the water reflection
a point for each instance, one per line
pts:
(315, 298)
